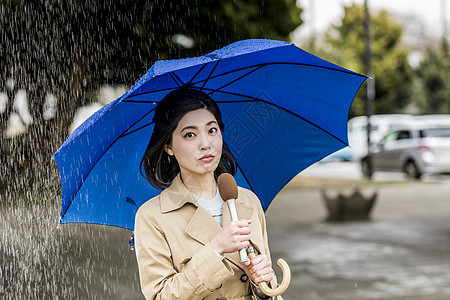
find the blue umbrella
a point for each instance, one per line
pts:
(283, 110)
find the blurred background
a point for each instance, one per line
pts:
(63, 60)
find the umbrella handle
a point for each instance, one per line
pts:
(284, 283)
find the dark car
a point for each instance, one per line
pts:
(414, 150)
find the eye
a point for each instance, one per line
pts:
(213, 130)
(189, 135)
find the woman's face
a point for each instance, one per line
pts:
(197, 143)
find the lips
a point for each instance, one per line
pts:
(207, 158)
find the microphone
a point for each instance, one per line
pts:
(229, 192)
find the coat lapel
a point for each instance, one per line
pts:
(202, 227)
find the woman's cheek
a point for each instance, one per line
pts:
(219, 143)
(182, 150)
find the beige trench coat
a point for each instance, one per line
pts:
(175, 258)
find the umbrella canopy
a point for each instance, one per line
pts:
(283, 110)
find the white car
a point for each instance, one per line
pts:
(380, 126)
(414, 150)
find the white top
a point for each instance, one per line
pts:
(213, 206)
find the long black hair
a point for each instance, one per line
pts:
(158, 168)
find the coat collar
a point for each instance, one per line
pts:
(201, 227)
(175, 196)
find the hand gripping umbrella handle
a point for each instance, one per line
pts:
(286, 277)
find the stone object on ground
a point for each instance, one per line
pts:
(353, 207)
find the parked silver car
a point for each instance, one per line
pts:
(414, 150)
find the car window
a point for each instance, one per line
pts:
(373, 127)
(435, 132)
(391, 137)
(403, 135)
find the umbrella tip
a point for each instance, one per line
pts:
(131, 242)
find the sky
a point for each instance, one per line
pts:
(319, 14)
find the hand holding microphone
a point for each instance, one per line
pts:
(229, 192)
(233, 237)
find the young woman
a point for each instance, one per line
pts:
(186, 243)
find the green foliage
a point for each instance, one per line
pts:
(392, 72)
(433, 73)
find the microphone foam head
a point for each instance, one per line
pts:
(227, 187)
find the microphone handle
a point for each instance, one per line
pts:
(234, 217)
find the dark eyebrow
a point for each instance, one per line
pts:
(210, 122)
(189, 127)
(195, 127)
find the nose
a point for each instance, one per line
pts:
(204, 142)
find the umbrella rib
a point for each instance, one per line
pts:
(195, 75)
(233, 81)
(120, 136)
(252, 66)
(236, 70)
(150, 92)
(234, 94)
(172, 74)
(285, 63)
(134, 130)
(209, 75)
(125, 133)
(254, 99)
(245, 177)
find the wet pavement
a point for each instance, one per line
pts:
(402, 252)
(40, 259)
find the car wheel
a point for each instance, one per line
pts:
(366, 169)
(411, 170)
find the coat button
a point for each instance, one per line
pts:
(220, 286)
(244, 278)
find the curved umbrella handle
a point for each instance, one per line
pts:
(284, 283)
